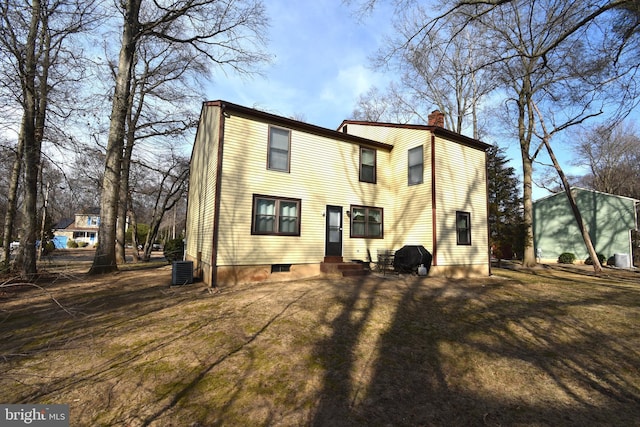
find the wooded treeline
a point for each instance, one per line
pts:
(99, 104)
(531, 71)
(99, 99)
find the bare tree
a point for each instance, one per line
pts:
(436, 72)
(612, 156)
(166, 186)
(12, 200)
(34, 41)
(388, 106)
(560, 55)
(546, 140)
(162, 109)
(226, 33)
(445, 69)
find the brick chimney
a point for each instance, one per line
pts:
(436, 118)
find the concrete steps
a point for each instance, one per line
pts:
(335, 266)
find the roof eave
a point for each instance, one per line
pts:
(436, 130)
(295, 124)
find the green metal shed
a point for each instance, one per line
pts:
(609, 220)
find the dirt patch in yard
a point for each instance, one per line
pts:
(539, 347)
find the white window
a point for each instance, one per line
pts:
(275, 215)
(416, 165)
(279, 149)
(367, 165)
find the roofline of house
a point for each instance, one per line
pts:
(589, 190)
(89, 211)
(295, 124)
(437, 130)
(68, 229)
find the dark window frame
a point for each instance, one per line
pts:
(464, 232)
(269, 148)
(373, 180)
(277, 217)
(417, 165)
(366, 235)
(280, 268)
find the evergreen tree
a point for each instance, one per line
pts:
(506, 223)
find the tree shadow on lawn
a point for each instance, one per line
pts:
(135, 381)
(199, 373)
(493, 354)
(66, 316)
(392, 351)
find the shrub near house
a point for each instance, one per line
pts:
(174, 250)
(611, 220)
(566, 258)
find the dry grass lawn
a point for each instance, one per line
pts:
(547, 347)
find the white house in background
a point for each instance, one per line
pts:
(83, 228)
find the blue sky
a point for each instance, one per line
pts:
(320, 64)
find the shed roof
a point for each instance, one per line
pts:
(587, 190)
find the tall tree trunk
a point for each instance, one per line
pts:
(134, 236)
(31, 149)
(121, 228)
(529, 256)
(125, 196)
(576, 212)
(525, 130)
(40, 117)
(123, 206)
(105, 256)
(572, 201)
(12, 200)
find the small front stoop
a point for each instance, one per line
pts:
(335, 266)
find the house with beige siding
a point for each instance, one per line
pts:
(271, 198)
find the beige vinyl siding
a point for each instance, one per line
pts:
(202, 185)
(388, 135)
(460, 186)
(323, 172)
(411, 205)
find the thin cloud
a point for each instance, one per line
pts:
(320, 63)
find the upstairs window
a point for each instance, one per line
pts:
(367, 165)
(366, 222)
(276, 215)
(416, 165)
(279, 149)
(463, 228)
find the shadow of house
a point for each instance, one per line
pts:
(271, 198)
(609, 220)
